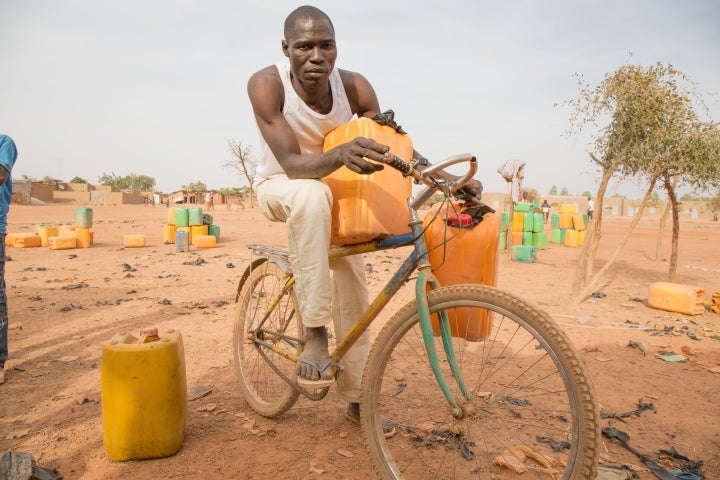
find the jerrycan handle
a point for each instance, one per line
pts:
(148, 334)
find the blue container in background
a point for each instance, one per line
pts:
(182, 241)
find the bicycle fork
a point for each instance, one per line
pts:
(425, 278)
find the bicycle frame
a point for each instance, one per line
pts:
(418, 259)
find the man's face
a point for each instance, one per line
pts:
(311, 48)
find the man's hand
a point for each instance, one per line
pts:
(355, 153)
(473, 188)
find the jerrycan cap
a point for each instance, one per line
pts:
(459, 220)
(149, 331)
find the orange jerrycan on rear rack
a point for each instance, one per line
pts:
(461, 253)
(367, 207)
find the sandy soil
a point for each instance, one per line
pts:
(50, 405)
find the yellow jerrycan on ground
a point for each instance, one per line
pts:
(144, 395)
(367, 207)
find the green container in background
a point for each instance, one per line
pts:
(539, 240)
(523, 207)
(555, 220)
(534, 205)
(528, 222)
(207, 219)
(181, 217)
(214, 230)
(586, 219)
(503, 240)
(38, 226)
(555, 235)
(538, 222)
(524, 253)
(195, 216)
(83, 217)
(527, 238)
(562, 234)
(504, 219)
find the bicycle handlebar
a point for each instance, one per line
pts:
(425, 177)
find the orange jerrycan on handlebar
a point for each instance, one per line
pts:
(367, 207)
(463, 253)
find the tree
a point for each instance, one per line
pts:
(553, 190)
(586, 194)
(128, 182)
(78, 180)
(195, 186)
(243, 163)
(652, 132)
(564, 192)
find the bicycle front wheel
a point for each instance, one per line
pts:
(528, 411)
(266, 316)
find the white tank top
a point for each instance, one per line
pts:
(310, 127)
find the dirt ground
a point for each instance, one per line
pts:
(64, 305)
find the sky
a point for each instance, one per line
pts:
(158, 87)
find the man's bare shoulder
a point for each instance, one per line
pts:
(360, 93)
(268, 77)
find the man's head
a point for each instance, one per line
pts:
(310, 45)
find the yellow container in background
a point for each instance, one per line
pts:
(581, 237)
(45, 233)
(366, 207)
(571, 238)
(518, 222)
(196, 231)
(566, 221)
(205, 241)
(169, 233)
(27, 241)
(171, 216)
(578, 222)
(66, 231)
(144, 395)
(676, 297)
(134, 241)
(84, 237)
(62, 243)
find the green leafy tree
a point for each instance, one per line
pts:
(128, 182)
(197, 186)
(553, 190)
(564, 192)
(78, 180)
(652, 132)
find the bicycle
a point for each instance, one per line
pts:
(517, 400)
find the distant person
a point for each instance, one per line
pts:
(545, 210)
(590, 208)
(209, 205)
(8, 155)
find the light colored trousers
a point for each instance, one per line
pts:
(326, 289)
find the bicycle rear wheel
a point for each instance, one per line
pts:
(530, 407)
(264, 389)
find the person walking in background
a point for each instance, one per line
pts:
(590, 208)
(8, 155)
(209, 205)
(545, 210)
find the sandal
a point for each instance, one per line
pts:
(321, 382)
(389, 429)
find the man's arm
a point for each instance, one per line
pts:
(266, 95)
(4, 175)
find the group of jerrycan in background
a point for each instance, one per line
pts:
(144, 391)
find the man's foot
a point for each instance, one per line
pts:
(315, 368)
(353, 414)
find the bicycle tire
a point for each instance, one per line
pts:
(264, 389)
(528, 391)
